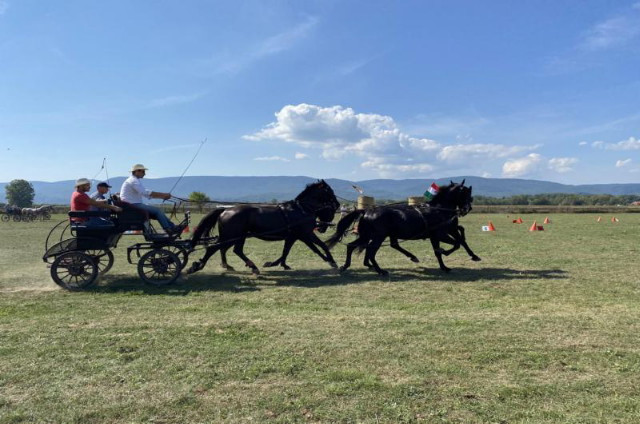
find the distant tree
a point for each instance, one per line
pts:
(274, 201)
(20, 193)
(199, 198)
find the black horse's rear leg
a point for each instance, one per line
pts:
(350, 248)
(282, 260)
(312, 241)
(198, 265)
(463, 242)
(223, 258)
(372, 249)
(435, 243)
(237, 249)
(396, 245)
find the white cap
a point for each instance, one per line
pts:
(138, 167)
(82, 181)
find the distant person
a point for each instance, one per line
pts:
(133, 192)
(343, 211)
(102, 190)
(80, 201)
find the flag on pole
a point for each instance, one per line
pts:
(358, 189)
(431, 191)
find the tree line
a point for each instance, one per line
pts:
(560, 199)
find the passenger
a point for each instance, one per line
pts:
(103, 188)
(133, 191)
(80, 201)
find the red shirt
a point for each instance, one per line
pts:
(79, 202)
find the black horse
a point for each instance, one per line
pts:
(290, 221)
(436, 220)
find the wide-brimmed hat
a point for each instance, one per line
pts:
(138, 167)
(82, 181)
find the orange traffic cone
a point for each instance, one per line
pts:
(599, 219)
(534, 226)
(614, 219)
(491, 227)
(520, 221)
(547, 221)
(186, 229)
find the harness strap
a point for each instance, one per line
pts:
(285, 217)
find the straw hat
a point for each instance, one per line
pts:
(82, 181)
(138, 167)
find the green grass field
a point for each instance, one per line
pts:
(544, 329)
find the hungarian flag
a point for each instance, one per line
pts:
(431, 191)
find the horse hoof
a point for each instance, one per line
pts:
(268, 264)
(342, 269)
(476, 259)
(255, 271)
(383, 273)
(228, 268)
(286, 267)
(415, 260)
(333, 265)
(445, 269)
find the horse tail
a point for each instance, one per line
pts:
(207, 224)
(342, 227)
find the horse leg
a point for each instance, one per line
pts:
(396, 245)
(237, 249)
(435, 243)
(223, 258)
(449, 239)
(463, 241)
(312, 241)
(198, 265)
(350, 248)
(372, 249)
(282, 260)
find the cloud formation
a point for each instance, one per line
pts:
(272, 158)
(339, 131)
(300, 156)
(562, 165)
(522, 166)
(614, 32)
(622, 163)
(631, 143)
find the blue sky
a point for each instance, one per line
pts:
(348, 89)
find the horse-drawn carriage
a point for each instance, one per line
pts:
(17, 214)
(77, 261)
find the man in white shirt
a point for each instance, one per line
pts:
(132, 191)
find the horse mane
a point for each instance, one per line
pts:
(308, 189)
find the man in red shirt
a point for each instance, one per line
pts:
(80, 201)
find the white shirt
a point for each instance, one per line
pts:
(132, 190)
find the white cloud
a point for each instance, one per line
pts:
(300, 156)
(583, 143)
(4, 6)
(613, 32)
(631, 143)
(339, 131)
(464, 152)
(622, 163)
(486, 175)
(268, 47)
(175, 100)
(523, 166)
(562, 165)
(272, 158)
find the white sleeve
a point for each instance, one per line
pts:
(138, 187)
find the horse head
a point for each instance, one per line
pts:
(319, 195)
(455, 196)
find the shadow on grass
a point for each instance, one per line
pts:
(237, 282)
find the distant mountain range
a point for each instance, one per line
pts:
(264, 189)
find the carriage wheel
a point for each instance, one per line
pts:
(159, 267)
(180, 253)
(74, 271)
(103, 259)
(17, 218)
(6, 218)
